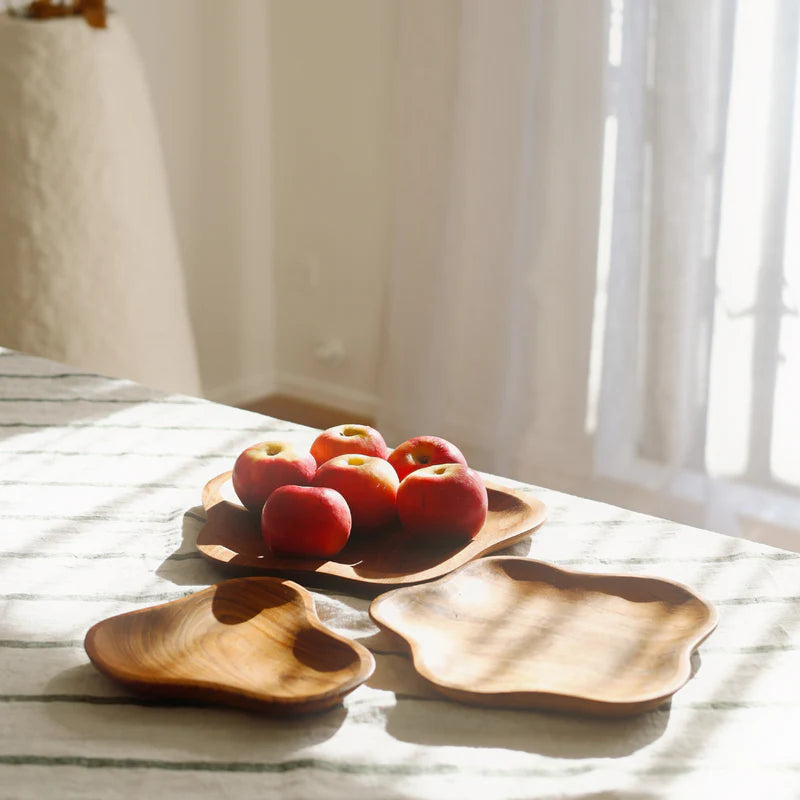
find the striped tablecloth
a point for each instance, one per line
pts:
(100, 485)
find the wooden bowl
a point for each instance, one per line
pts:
(514, 632)
(255, 643)
(231, 539)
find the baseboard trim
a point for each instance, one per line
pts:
(242, 391)
(326, 394)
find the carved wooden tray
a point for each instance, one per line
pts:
(231, 538)
(255, 643)
(514, 632)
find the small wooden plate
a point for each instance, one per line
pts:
(255, 643)
(231, 538)
(514, 632)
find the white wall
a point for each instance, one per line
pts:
(331, 65)
(208, 70)
(311, 327)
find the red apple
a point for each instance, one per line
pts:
(442, 501)
(368, 484)
(305, 521)
(345, 439)
(263, 467)
(423, 451)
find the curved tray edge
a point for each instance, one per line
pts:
(210, 692)
(582, 704)
(330, 574)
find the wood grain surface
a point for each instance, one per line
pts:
(231, 538)
(255, 643)
(514, 632)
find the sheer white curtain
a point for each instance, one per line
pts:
(596, 250)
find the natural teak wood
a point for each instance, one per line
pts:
(231, 538)
(514, 632)
(255, 643)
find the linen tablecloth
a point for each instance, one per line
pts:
(100, 484)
